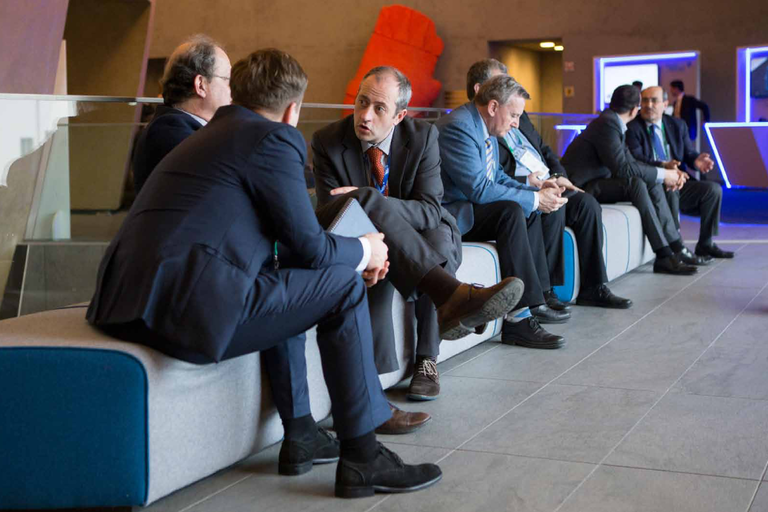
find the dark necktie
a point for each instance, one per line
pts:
(658, 144)
(377, 166)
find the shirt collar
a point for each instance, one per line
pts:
(384, 145)
(657, 123)
(486, 134)
(621, 122)
(193, 116)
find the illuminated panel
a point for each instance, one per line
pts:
(749, 53)
(652, 57)
(742, 148)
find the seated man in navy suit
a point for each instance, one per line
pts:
(192, 271)
(661, 140)
(195, 84)
(525, 157)
(489, 205)
(198, 72)
(342, 163)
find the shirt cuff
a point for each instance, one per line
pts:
(366, 254)
(660, 173)
(535, 201)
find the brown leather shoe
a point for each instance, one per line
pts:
(425, 384)
(403, 422)
(473, 305)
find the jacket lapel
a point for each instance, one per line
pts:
(353, 158)
(398, 162)
(669, 129)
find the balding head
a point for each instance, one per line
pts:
(653, 102)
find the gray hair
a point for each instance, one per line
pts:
(501, 88)
(480, 72)
(195, 56)
(403, 84)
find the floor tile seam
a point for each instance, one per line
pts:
(681, 392)
(577, 363)
(493, 379)
(678, 472)
(757, 488)
(653, 406)
(536, 457)
(200, 502)
(469, 360)
(747, 241)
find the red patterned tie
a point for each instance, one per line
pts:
(377, 166)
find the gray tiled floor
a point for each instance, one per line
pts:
(660, 408)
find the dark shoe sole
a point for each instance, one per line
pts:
(367, 491)
(407, 430)
(675, 272)
(543, 320)
(421, 398)
(546, 346)
(496, 307)
(302, 467)
(598, 304)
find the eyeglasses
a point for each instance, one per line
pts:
(225, 78)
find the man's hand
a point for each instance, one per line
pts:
(550, 200)
(704, 163)
(674, 180)
(564, 182)
(342, 190)
(671, 164)
(371, 277)
(378, 266)
(534, 180)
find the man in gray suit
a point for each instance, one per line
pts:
(599, 161)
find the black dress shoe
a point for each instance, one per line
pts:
(671, 265)
(602, 297)
(386, 473)
(713, 251)
(554, 302)
(528, 333)
(546, 315)
(687, 257)
(298, 455)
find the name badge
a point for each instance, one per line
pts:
(531, 162)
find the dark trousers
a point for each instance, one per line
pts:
(702, 199)
(519, 242)
(651, 202)
(412, 254)
(582, 213)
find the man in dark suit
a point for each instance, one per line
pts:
(662, 141)
(391, 164)
(685, 106)
(525, 157)
(414, 189)
(192, 272)
(195, 84)
(489, 205)
(599, 161)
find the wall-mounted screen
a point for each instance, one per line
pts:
(615, 76)
(758, 77)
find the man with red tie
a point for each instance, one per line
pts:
(391, 164)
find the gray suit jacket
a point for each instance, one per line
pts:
(600, 152)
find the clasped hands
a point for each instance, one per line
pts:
(551, 190)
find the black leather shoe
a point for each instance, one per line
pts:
(298, 455)
(687, 257)
(671, 265)
(528, 333)
(386, 473)
(546, 315)
(554, 302)
(713, 251)
(602, 297)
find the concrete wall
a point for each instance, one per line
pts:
(329, 38)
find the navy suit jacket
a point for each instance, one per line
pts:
(688, 113)
(167, 129)
(193, 258)
(680, 145)
(462, 150)
(600, 152)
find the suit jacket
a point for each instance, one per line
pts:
(600, 152)
(507, 159)
(414, 168)
(462, 149)
(688, 113)
(167, 129)
(193, 257)
(640, 142)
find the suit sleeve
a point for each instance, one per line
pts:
(422, 208)
(283, 199)
(689, 152)
(325, 175)
(616, 156)
(704, 109)
(462, 163)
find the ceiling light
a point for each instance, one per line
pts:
(559, 48)
(547, 44)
